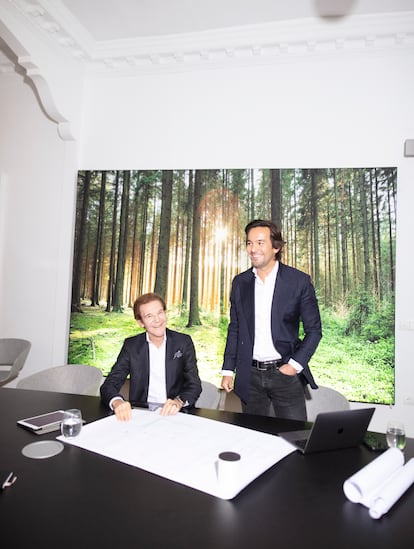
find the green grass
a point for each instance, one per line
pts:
(96, 338)
(362, 370)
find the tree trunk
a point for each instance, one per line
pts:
(275, 197)
(123, 235)
(80, 245)
(194, 314)
(97, 256)
(188, 240)
(110, 290)
(161, 275)
(315, 226)
(364, 224)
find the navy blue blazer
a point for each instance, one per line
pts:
(181, 371)
(294, 300)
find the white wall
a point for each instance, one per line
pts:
(311, 112)
(336, 110)
(37, 186)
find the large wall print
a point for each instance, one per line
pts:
(181, 233)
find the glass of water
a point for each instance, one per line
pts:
(71, 423)
(395, 434)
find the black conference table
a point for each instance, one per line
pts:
(81, 499)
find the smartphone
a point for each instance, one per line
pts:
(44, 423)
(375, 441)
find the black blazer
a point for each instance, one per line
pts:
(181, 371)
(294, 300)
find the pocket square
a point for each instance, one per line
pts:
(178, 354)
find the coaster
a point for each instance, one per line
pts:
(42, 449)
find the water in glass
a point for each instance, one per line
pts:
(71, 423)
(396, 435)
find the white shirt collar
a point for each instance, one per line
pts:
(271, 276)
(149, 341)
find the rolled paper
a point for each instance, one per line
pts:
(363, 485)
(228, 469)
(393, 490)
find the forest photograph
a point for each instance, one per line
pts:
(180, 233)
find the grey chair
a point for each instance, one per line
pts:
(229, 402)
(78, 379)
(124, 390)
(13, 354)
(210, 396)
(324, 399)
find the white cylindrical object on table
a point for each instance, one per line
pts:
(228, 464)
(393, 490)
(362, 483)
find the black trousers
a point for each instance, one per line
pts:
(271, 387)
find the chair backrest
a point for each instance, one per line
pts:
(324, 399)
(124, 390)
(13, 354)
(210, 396)
(230, 402)
(79, 379)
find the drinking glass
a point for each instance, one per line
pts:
(395, 434)
(72, 423)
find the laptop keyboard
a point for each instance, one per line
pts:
(300, 443)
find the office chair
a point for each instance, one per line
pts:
(78, 379)
(324, 399)
(124, 390)
(210, 396)
(229, 402)
(13, 354)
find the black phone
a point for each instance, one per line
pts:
(375, 441)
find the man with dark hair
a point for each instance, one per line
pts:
(267, 304)
(161, 364)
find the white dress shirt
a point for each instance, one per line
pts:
(263, 348)
(157, 391)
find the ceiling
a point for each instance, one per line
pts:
(122, 19)
(142, 33)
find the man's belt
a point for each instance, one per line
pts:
(267, 364)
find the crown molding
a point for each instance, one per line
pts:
(256, 44)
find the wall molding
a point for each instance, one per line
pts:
(22, 63)
(252, 44)
(46, 98)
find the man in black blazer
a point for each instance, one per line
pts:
(263, 348)
(161, 363)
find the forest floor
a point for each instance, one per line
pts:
(360, 370)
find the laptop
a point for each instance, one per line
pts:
(332, 431)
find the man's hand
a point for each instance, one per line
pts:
(122, 409)
(288, 370)
(227, 383)
(171, 407)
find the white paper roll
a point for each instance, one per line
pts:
(393, 490)
(228, 469)
(362, 485)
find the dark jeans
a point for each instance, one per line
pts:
(284, 392)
